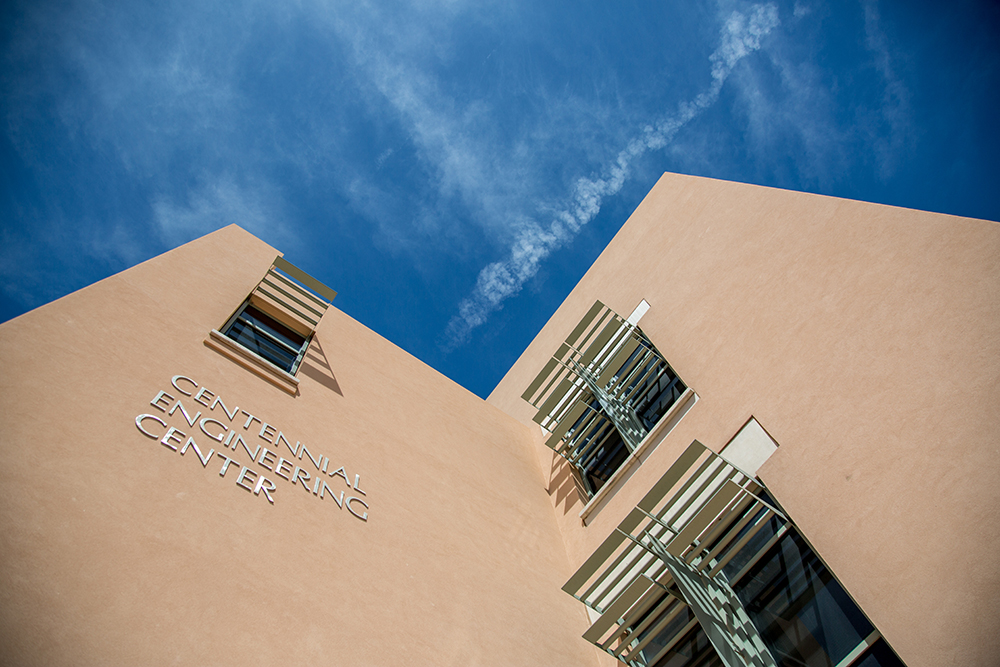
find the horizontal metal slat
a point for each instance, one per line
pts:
(617, 361)
(299, 289)
(601, 554)
(617, 609)
(630, 562)
(539, 379)
(304, 278)
(586, 455)
(670, 478)
(302, 303)
(565, 424)
(726, 534)
(697, 484)
(735, 548)
(582, 326)
(283, 304)
(553, 400)
(668, 606)
(705, 515)
(602, 339)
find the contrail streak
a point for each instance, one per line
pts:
(741, 35)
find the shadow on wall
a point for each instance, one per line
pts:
(316, 366)
(562, 485)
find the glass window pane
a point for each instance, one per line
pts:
(694, 650)
(661, 394)
(800, 610)
(266, 337)
(879, 655)
(273, 328)
(607, 459)
(257, 343)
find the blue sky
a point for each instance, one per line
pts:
(453, 168)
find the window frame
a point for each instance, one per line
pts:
(700, 539)
(237, 316)
(607, 374)
(292, 300)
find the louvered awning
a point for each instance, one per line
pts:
(604, 369)
(660, 568)
(299, 297)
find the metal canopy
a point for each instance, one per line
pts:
(660, 572)
(597, 383)
(295, 292)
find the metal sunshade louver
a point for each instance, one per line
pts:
(660, 569)
(598, 384)
(295, 291)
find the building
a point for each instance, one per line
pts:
(761, 430)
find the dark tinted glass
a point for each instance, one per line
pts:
(694, 650)
(658, 397)
(879, 655)
(755, 544)
(800, 610)
(607, 458)
(651, 387)
(266, 337)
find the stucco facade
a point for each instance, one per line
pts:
(865, 339)
(116, 549)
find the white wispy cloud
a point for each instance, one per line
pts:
(741, 35)
(219, 202)
(789, 112)
(895, 111)
(395, 51)
(142, 102)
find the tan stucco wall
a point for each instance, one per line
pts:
(866, 340)
(117, 550)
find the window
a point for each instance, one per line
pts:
(266, 337)
(271, 331)
(802, 614)
(601, 394)
(708, 571)
(800, 610)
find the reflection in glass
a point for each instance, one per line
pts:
(266, 337)
(800, 610)
(694, 650)
(879, 655)
(802, 614)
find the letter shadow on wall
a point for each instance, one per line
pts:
(316, 366)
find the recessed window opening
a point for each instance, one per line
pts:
(607, 456)
(802, 613)
(266, 337)
(274, 325)
(601, 393)
(707, 570)
(649, 388)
